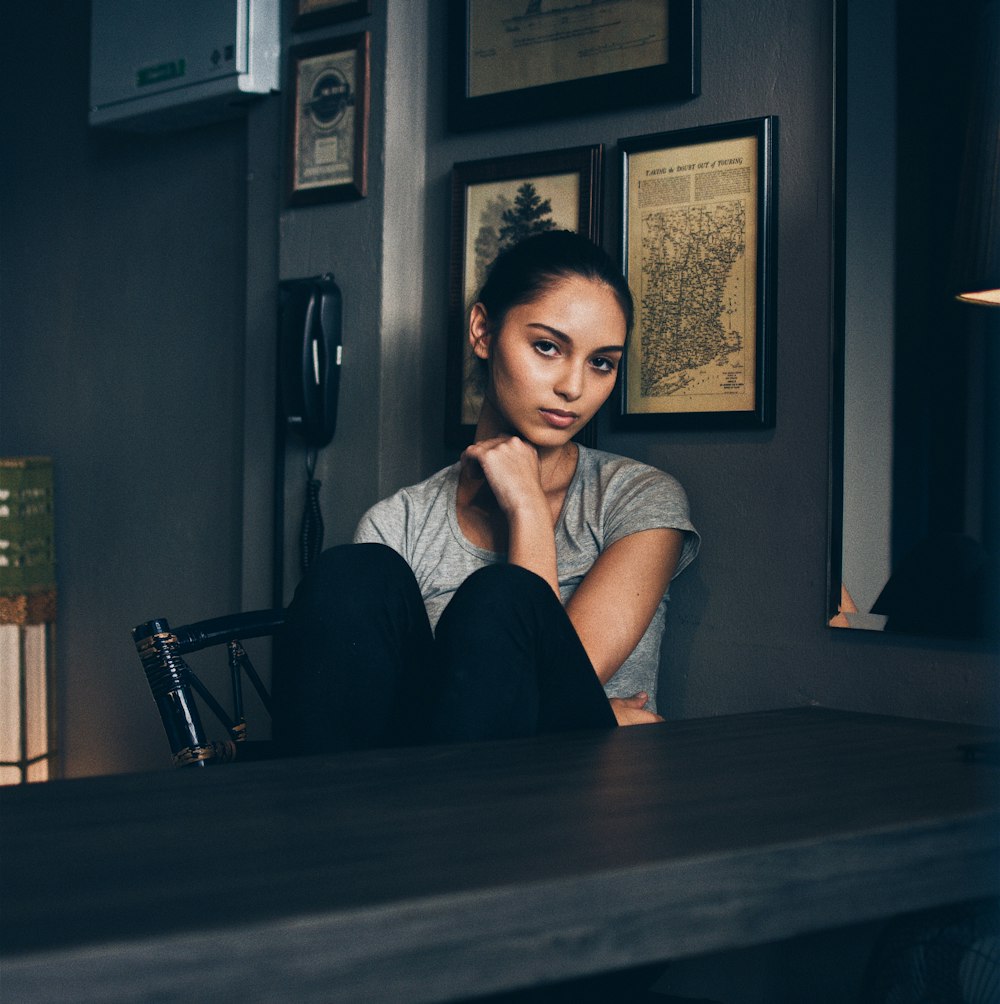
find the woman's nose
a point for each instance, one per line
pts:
(569, 386)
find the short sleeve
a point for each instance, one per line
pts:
(384, 523)
(640, 498)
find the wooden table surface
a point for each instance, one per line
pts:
(436, 873)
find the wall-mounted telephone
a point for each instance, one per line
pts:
(310, 356)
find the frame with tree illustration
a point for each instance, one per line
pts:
(495, 203)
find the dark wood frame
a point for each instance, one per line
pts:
(585, 161)
(838, 193)
(357, 186)
(762, 414)
(332, 14)
(677, 79)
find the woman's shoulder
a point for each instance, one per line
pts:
(611, 470)
(621, 496)
(421, 495)
(430, 488)
(414, 501)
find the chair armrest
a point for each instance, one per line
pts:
(252, 624)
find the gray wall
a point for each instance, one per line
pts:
(136, 327)
(122, 300)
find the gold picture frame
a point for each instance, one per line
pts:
(700, 211)
(516, 60)
(328, 113)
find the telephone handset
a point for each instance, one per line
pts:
(309, 348)
(310, 357)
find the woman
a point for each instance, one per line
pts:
(522, 589)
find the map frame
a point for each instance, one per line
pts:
(702, 352)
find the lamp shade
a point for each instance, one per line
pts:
(977, 248)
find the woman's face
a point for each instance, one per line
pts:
(554, 361)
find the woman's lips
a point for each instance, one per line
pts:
(558, 419)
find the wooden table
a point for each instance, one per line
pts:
(444, 872)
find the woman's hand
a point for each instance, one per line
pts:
(632, 710)
(510, 466)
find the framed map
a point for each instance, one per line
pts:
(494, 204)
(698, 247)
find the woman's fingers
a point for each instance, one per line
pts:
(632, 711)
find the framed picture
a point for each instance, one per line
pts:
(700, 211)
(516, 60)
(328, 120)
(495, 203)
(316, 13)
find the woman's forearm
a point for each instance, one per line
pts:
(531, 542)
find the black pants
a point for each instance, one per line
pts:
(359, 667)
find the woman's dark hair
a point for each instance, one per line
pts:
(527, 269)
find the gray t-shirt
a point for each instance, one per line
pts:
(610, 497)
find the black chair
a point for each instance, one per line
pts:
(173, 684)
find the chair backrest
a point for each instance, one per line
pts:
(173, 683)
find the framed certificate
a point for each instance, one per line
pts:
(328, 120)
(516, 60)
(700, 213)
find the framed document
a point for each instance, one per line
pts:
(328, 120)
(516, 60)
(494, 204)
(700, 212)
(316, 13)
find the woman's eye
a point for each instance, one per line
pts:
(546, 348)
(603, 364)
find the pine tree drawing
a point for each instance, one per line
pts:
(530, 215)
(488, 244)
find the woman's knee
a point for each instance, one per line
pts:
(341, 575)
(499, 595)
(505, 583)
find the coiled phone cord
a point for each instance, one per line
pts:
(312, 518)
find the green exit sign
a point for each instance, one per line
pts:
(160, 72)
